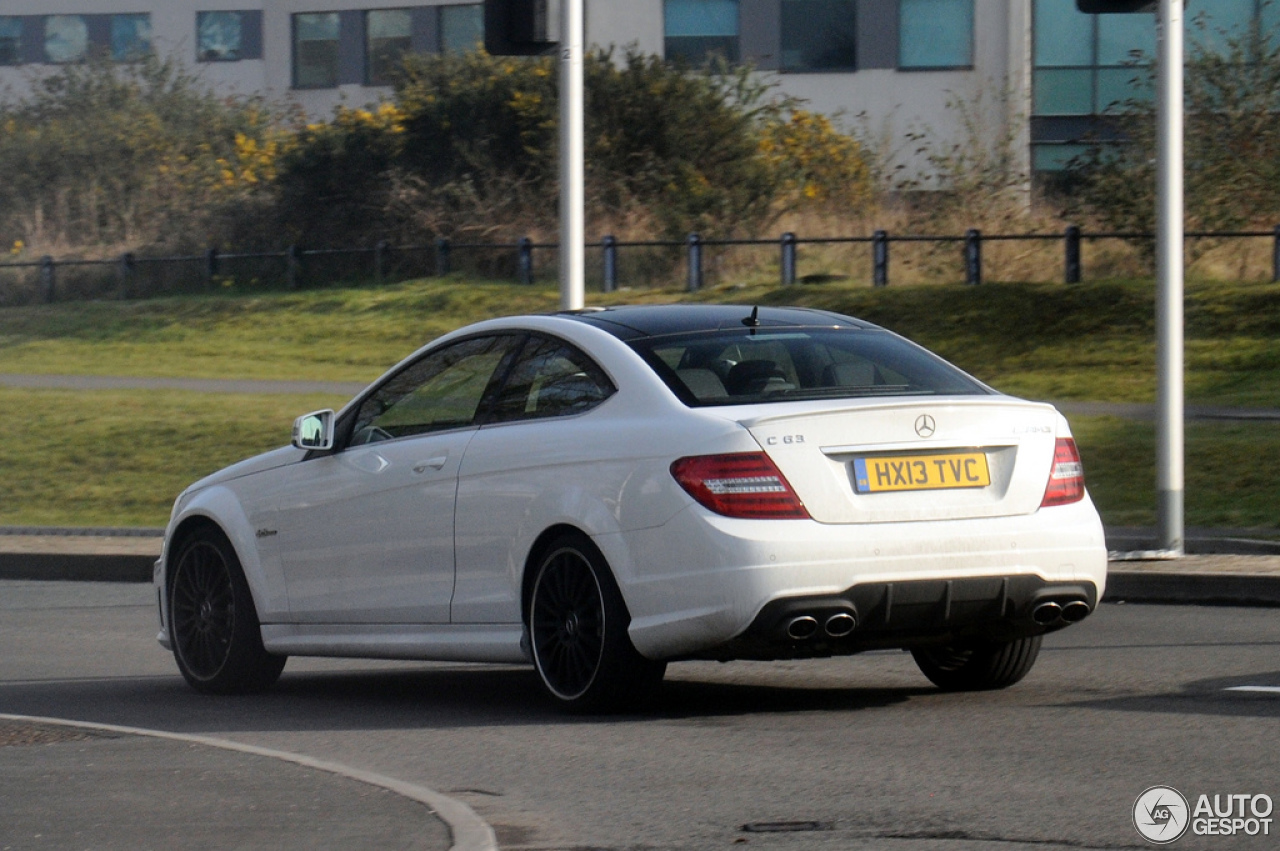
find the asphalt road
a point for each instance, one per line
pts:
(854, 753)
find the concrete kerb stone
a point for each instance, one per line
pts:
(468, 831)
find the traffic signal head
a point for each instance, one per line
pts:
(1109, 7)
(520, 27)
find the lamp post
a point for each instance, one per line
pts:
(572, 216)
(1170, 437)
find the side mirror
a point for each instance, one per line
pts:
(314, 430)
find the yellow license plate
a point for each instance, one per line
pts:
(921, 472)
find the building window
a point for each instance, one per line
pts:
(220, 36)
(388, 35)
(130, 37)
(10, 41)
(1087, 64)
(696, 30)
(315, 50)
(818, 35)
(461, 28)
(935, 34)
(66, 38)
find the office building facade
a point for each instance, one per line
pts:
(895, 65)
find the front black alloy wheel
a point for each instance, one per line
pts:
(578, 632)
(978, 666)
(214, 628)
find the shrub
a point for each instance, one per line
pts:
(474, 149)
(133, 155)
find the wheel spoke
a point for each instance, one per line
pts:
(567, 618)
(203, 609)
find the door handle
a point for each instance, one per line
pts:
(436, 463)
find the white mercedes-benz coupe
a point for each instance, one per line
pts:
(601, 492)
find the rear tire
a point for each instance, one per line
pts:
(214, 627)
(978, 666)
(578, 632)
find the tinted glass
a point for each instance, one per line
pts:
(737, 367)
(10, 41)
(1124, 39)
(388, 37)
(818, 35)
(66, 38)
(935, 34)
(1063, 35)
(442, 390)
(461, 28)
(1270, 20)
(1213, 25)
(1055, 157)
(130, 37)
(551, 379)
(219, 36)
(1118, 86)
(1063, 91)
(315, 50)
(698, 29)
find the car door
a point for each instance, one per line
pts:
(365, 534)
(537, 444)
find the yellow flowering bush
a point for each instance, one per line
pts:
(821, 166)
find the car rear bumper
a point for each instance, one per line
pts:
(710, 586)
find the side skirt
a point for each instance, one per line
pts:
(422, 642)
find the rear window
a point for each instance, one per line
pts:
(736, 367)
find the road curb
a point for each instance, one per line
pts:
(77, 567)
(1202, 589)
(469, 832)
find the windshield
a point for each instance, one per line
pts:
(735, 367)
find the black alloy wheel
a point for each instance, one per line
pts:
(979, 666)
(216, 636)
(578, 631)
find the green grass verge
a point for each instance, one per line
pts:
(119, 458)
(1228, 480)
(1088, 341)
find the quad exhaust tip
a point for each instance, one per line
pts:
(805, 626)
(1075, 611)
(1049, 612)
(1046, 613)
(840, 624)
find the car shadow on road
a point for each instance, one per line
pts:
(1249, 696)
(441, 697)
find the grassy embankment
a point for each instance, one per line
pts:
(119, 457)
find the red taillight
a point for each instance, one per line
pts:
(744, 484)
(1066, 478)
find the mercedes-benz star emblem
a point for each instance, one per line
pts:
(925, 426)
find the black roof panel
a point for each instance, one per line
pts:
(634, 321)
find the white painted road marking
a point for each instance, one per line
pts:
(1263, 689)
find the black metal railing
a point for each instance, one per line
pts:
(130, 276)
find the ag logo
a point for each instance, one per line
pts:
(1161, 815)
(925, 426)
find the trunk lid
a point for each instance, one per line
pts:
(878, 460)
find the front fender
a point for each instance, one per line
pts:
(222, 507)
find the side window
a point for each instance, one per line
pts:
(441, 391)
(935, 34)
(551, 379)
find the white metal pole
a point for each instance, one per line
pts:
(1169, 281)
(572, 225)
